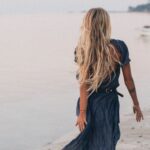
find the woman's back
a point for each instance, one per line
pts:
(123, 52)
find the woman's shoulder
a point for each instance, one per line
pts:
(121, 44)
(118, 41)
(123, 48)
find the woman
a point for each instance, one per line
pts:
(99, 59)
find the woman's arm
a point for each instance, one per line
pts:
(129, 82)
(83, 98)
(81, 120)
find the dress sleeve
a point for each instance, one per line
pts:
(125, 53)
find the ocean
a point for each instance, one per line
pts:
(38, 88)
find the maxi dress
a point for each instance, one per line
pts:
(102, 130)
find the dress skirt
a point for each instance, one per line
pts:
(102, 129)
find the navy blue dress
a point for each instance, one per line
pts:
(102, 130)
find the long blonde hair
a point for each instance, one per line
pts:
(94, 59)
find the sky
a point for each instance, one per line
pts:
(33, 6)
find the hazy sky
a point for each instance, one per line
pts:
(27, 6)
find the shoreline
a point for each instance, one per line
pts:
(134, 135)
(67, 12)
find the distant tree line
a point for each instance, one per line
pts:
(140, 8)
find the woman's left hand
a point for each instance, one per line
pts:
(81, 121)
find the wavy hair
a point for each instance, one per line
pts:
(95, 55)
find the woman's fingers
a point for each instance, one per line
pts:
(81, 124)
(82, 127)
(137, 111)
(139, 116)
(85, 121)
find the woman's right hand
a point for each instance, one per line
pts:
(81, 121)
(137, 111)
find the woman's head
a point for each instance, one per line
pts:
(94, 57)
(97, 22)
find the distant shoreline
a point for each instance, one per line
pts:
(68, 12)
(121, 12)
(140, 8)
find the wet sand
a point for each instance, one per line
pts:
(134, 135)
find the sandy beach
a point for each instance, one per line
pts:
(134, 136)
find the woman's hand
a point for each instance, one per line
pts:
(137, 111)
(81, 121)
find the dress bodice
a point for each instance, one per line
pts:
(125, 59)
(121, 46)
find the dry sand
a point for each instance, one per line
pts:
(134, 136)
